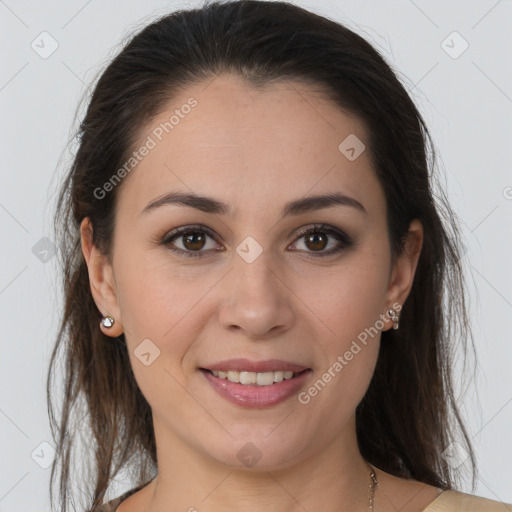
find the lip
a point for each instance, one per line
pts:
(247, 365)
(256, 397)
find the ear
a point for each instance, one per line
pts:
(402, 275)
(101, 279)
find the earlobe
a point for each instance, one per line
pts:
(101, 281)
(402, 276)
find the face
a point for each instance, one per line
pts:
(271, 281)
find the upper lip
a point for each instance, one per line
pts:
(247, 365)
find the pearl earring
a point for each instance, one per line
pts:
(107, 322)
(394, 317)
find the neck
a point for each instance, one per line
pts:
(336, 478)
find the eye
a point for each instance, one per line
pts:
(319, 236)
(192, 239)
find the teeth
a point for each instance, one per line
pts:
(232, 376)
(254, 378)
(278, 376)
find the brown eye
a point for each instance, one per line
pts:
(318, 237)
(194, 241)
(316, 241)
(190, 241)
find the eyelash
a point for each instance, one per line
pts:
(312, 229)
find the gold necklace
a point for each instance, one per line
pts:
(373, 484)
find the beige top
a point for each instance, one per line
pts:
(455, 501)
(447, 501)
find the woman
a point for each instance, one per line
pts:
(260, 292)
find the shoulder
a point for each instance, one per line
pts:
(412, 496)
(113, 505)
(108, 507)
(455, 501)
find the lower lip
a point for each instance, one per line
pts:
(256, 397)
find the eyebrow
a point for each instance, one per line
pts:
(296, 207)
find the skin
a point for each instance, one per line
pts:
(255, 151)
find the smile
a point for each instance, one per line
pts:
(254, 378)
(256, 389)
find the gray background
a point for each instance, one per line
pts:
(466, 99)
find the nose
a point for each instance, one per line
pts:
(256, 300)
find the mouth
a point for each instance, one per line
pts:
(248, 378)
(242, 385)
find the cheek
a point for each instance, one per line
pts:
(349, 298)
(163, 304)
(156, 312)
(347, 304)
(348, 348)
(151, 294)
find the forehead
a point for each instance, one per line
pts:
(245, 146)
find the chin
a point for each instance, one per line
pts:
(260, 449)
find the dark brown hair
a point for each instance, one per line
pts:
(409, 414)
